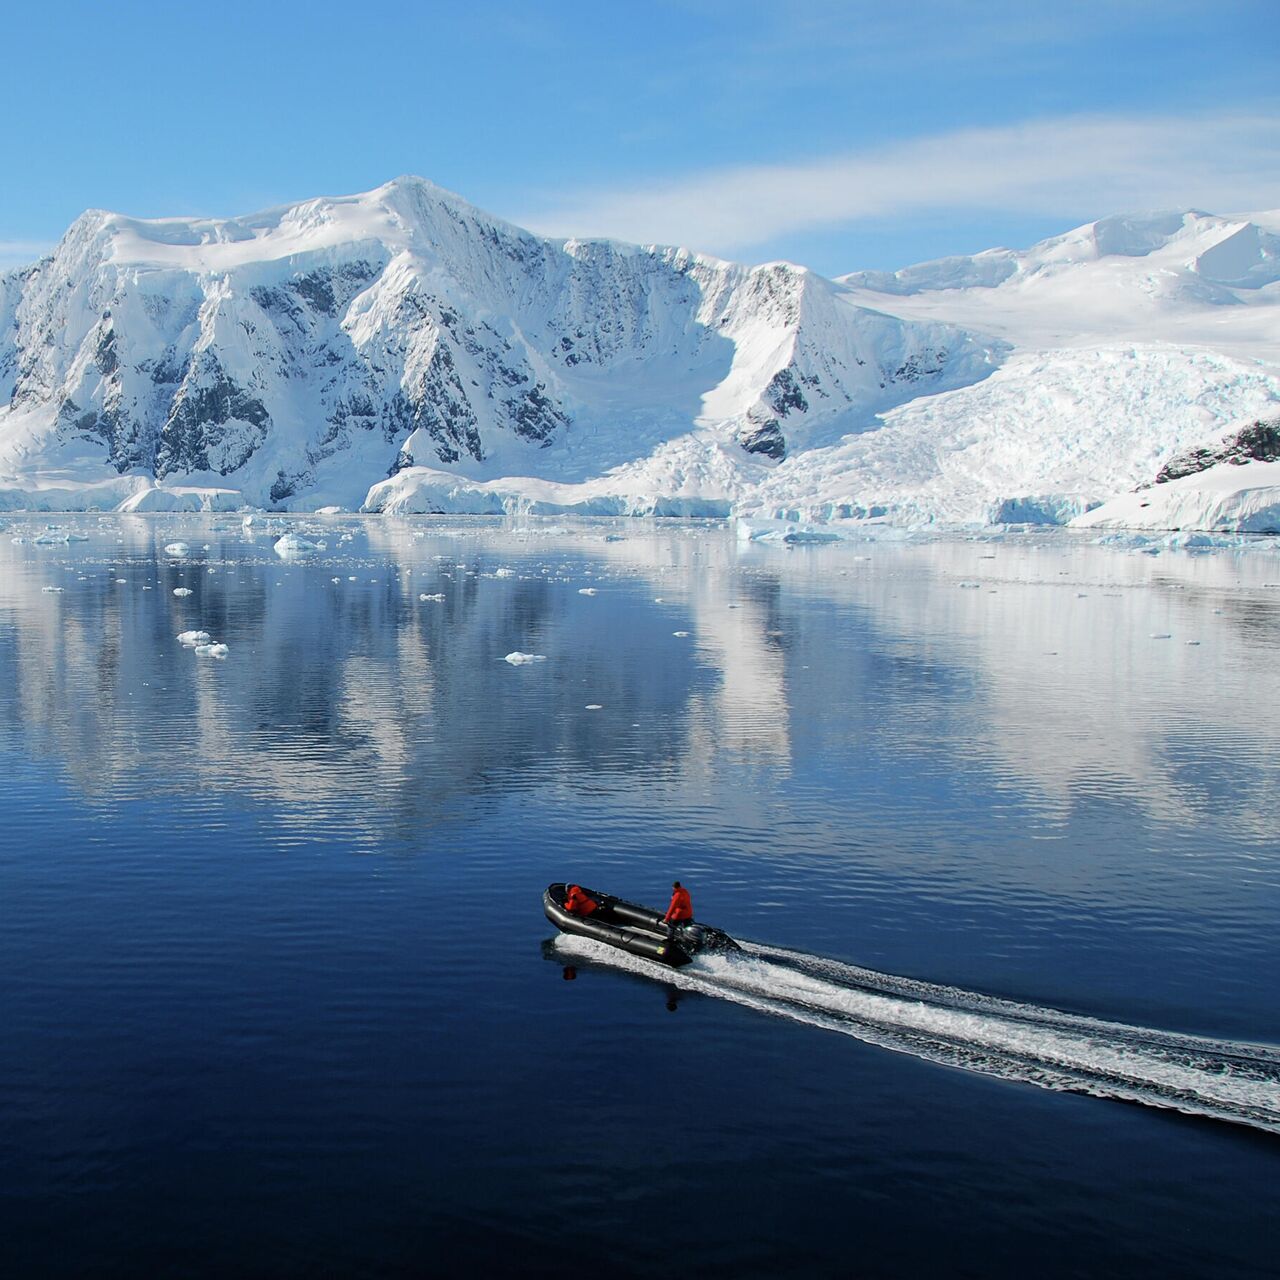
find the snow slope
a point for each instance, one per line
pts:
(403, 351)
(1240, 499)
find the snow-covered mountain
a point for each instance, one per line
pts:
(301, 355)
(404, 351)
(1130, 340)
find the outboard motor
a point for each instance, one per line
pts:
(695, 937)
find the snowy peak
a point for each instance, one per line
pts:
(1223, 250)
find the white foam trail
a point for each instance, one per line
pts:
(1221, 1079)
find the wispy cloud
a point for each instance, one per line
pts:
(1075, 167)
(18, 253)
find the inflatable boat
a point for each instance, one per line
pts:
(634, 928)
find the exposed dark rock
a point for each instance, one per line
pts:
(783, 394)
(439, 406)
(1258, 442)
(208, 401)
(764, 438)
(104, 355)
(285, 486)
(534, 416)
(924, 364)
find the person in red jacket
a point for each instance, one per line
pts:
(681, 908)
(577, 903)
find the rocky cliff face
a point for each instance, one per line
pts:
(303, 354)
(1256, 442)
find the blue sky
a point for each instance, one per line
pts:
(841, 135)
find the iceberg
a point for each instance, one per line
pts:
(290, 546)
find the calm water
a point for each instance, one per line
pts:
(279, 998)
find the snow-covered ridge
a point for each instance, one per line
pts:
(404, 351)
(302, 354)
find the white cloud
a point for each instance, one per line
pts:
(19, 253)
(1075, 167)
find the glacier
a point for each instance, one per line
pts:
(401, 351)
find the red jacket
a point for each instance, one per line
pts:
(681, 907)
(577, 902)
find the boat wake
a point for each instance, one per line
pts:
(1200, 1076)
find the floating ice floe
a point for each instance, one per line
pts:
(212, 650)
(593, 706)
(290, 545)
(51, 538)
(682, 634)
(586, 591)
(785, 532)
(51, 590)
(177, 549)
(439, 595)
(518, 659)
(194, 637)
(182, 591)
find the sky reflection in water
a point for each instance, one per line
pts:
(1033, 767)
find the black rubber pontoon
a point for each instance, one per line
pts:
(634, 928)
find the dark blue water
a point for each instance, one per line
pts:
(279, 999)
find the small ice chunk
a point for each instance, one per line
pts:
(970, 586)
(504, 573)
(593, 706)
(1161, 635)
(212, 650)
(586, 591)
(290, 545)
(194, 637)
(680, 633)
(518, 659)
(121, 581)
(438, 596)
(177, 549)
(50, 590)
(182, 591)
